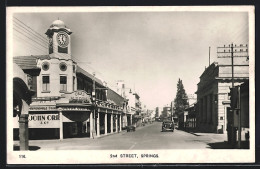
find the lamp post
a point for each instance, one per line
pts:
(126, 100)
(94, 106)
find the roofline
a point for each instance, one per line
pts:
(214, 63)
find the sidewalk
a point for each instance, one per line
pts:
(218, 141)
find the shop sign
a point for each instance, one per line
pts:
(79, 96)
(74, 109)
(44, 121)
(42, 108)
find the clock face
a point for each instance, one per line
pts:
(63, 39)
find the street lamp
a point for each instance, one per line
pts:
(125, 106)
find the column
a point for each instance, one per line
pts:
(98, 124)
(126, 121)
(23, 127)
(116, 123)
(201, 110)
(86, 126)
(120, 123)
(204, 109)
(111, 123)
(91, 124)
(209, 109)
(106, 123)
(131, 119)
(61, 125)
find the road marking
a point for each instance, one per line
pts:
(132, 146)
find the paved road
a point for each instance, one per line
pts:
(144, 138)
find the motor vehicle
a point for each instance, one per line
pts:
(167, 126)
(130, 128)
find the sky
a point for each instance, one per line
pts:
(150, 51)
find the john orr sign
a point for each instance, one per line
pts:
(44, 121)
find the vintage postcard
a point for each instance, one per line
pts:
(110, 85)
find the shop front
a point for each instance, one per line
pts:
(60, 117)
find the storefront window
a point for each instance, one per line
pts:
(45, 83)
(63, 83)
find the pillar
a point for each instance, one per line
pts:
(86, 131)
(111, 123)
(98, 124)
(105, 123)
(205, 109)
(91, 124)
(120, 123)
(208, 109)
(116, 123)
(61, 125)
(23, 132)
(125, 121)
(23, 127)
(131, 119)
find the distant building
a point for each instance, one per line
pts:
(158, 111)
(213, 89)
(187, 119)
(166, 113)
(129, 104)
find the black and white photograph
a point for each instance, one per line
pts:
(114, 85)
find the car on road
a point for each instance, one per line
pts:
(167, 126)
(130, 128)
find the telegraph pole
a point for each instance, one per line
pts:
(230, 54)
(94, 107)
(209, 56)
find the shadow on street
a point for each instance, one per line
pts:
(225, 145)
(31, 148)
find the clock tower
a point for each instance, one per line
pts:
(59, 40)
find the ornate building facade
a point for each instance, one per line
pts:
(68, 100)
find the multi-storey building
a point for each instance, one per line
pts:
(68, 100)
(213, 89)
(126, 93)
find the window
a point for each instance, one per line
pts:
(63, 66)
(63, 83)
(45, 66)
(74, 69)
(45, 83)
(74, 83)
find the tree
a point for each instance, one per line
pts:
(181, 99)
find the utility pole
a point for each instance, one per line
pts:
(230, 54)
(209, 56)
(239, 118)
(94, 103)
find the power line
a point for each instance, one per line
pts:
(29, 37)
(30, 28)
(29, 46)
(32, 44)
(39, 37)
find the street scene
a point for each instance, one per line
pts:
(144, 138)
(151, 80)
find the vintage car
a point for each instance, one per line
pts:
(130, 128)
(167, 126)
